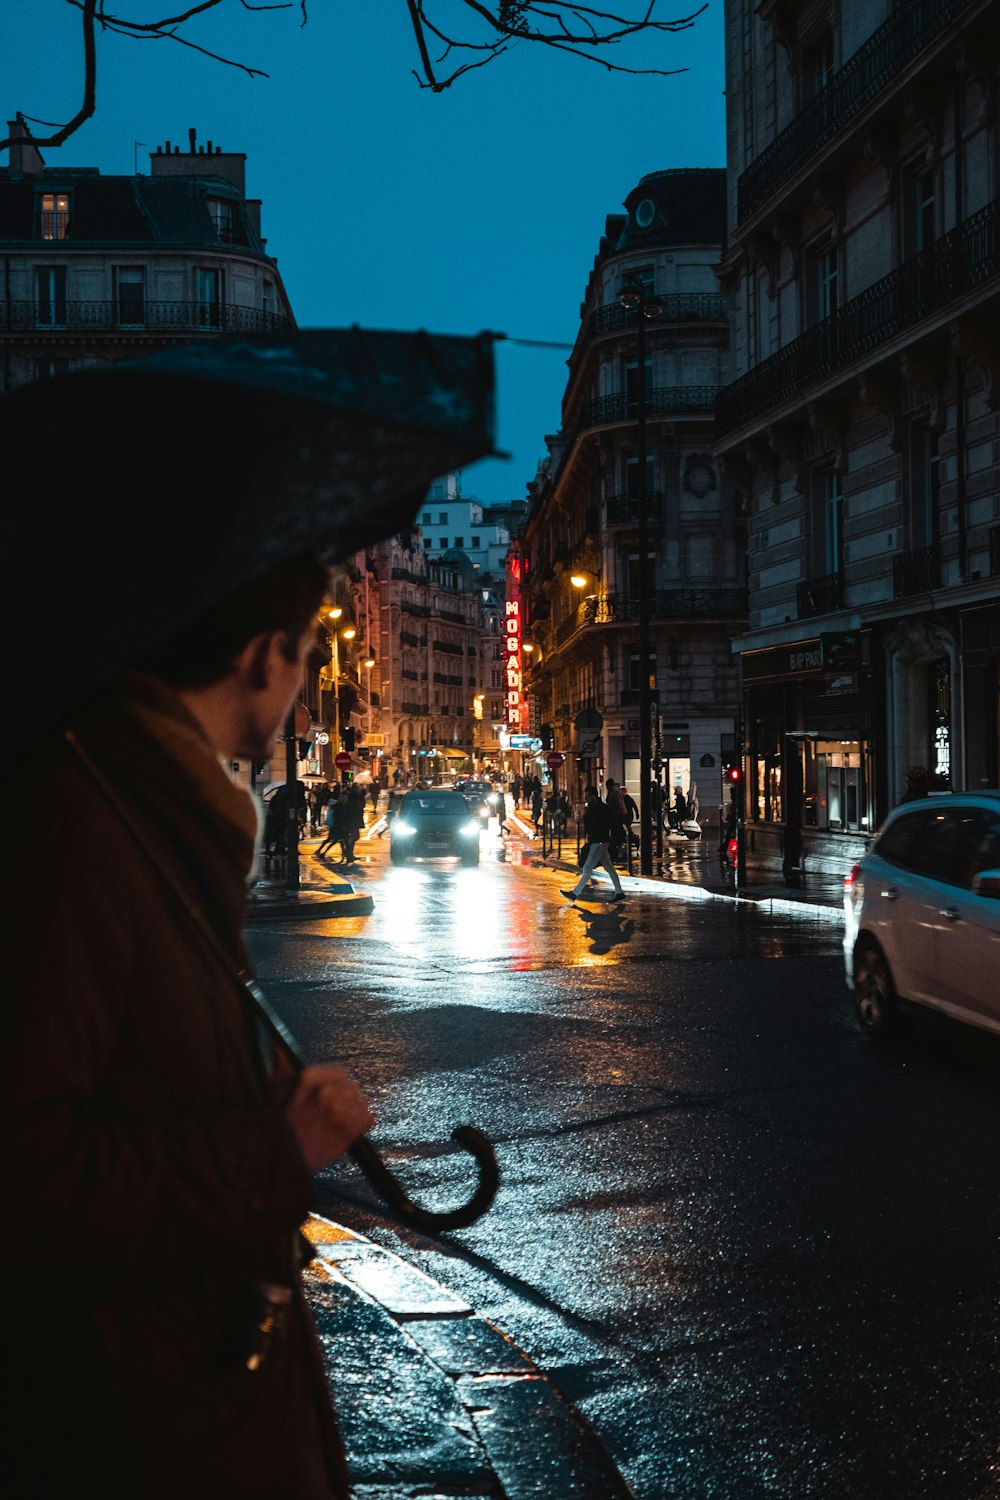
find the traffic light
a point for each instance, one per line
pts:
(734, 775)
(545, 734)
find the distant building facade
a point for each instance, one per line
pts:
(863, 272)
(102, 268)
(581, 651)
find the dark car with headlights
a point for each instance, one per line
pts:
(480, 796)
(435, 824)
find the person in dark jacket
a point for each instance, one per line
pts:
(597, 829)
(152, 1145)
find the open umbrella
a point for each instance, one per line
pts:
(138, 496)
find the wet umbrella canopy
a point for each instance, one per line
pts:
(138, 496)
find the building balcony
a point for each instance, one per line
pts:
(863, 77)
(623, 510)
(662, 401)
(820, 596)
(58, 316)
(678, 307)
(917, 571)
(966, 258)
(664, 604)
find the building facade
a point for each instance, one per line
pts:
(101, 268)
(580, 550)
(863, 274)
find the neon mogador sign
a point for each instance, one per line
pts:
(512, 669)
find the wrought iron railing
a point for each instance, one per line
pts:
(863, 76)
(623, 510)
(664, 604)
(678, 307)
(960, 260)
(820, 596)
(57, 315)
(662, 400)
(917, 571)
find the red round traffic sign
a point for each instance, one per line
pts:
(555, 759)
(342, 760)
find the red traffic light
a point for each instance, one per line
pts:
(734, 774)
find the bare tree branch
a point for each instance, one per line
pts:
(563, 25)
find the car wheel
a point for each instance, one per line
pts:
(874, 993)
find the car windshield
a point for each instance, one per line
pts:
(433, 805)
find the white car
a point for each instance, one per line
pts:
(922, 913)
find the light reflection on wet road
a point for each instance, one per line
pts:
(760, 1254)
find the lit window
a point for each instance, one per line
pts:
(54, 210)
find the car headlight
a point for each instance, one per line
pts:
(402, 830)
(470, 830)
(484, 812)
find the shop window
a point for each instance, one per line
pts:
(940, 727)
(767, 788)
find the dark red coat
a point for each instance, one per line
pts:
(150, 1178)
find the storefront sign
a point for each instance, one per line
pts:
(512, 664)
(782, 661)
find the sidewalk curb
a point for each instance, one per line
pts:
(491, 1423)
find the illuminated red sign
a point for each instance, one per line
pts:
(512, 665)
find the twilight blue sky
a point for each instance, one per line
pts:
(386, 205)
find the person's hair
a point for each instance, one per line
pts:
(284, 599)
(591, 789)
(608, 781)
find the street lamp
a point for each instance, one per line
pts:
(635, 297)
(368, 663)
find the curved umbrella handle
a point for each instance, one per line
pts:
(378, 1174)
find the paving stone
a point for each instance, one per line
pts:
(401, 1289)
(537, 1448)
(400, 1416)
(468, 1346)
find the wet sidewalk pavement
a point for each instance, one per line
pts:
(433, 1400)
(689, 865)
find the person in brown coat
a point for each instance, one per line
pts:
(157, 1151)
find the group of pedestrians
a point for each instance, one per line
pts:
(344, 819)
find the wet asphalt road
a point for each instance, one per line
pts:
(759, 1252)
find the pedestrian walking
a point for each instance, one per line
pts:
(336, 827)
(515, 790)
(354, 819)
(597, 830)
(536, 801)
(619, 819)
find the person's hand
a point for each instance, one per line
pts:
(327, 1113)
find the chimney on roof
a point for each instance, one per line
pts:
(191, 136)
(25, 157)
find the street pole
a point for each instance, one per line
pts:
(336, 695)
(634, 296)
(291, 800)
